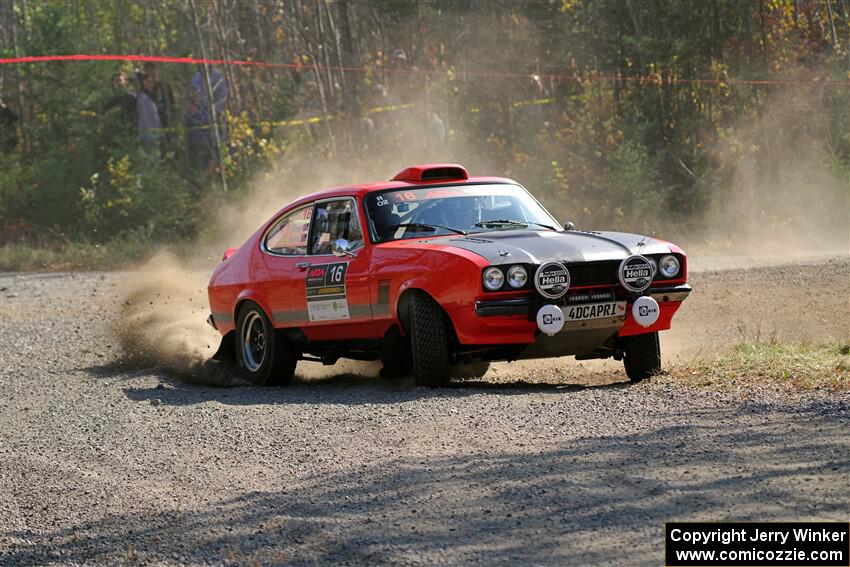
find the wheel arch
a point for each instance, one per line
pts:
(245, 297)
(403, 309)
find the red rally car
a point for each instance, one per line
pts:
(438, 274)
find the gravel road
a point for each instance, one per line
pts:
(555, 463)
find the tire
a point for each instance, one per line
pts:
(471, 370)
(264, 358)
(429, 340)
(642, 356)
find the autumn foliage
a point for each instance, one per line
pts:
(628, 114)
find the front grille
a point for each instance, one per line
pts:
(594, 273)
(572, 298)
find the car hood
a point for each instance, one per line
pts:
(536, 247)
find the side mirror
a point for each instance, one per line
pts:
(569, 225)
(342, 248)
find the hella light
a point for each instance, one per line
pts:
(517, 277)
(669, 266)
(493, 278)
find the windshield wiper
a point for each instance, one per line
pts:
(421, 227)
(512, 223)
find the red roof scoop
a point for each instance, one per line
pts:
(432, 172)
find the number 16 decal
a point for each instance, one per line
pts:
(337, 272)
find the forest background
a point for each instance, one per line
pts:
(722, 124)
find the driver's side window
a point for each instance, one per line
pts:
(289, 234)
(335, 223)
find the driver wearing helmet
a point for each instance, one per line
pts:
(385, 221)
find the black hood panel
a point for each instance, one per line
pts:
(536, 247)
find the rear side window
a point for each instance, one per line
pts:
(289, 235)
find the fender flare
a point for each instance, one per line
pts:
(403, 293)
(250, 295)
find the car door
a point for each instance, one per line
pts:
(280, 273)
(337, 302)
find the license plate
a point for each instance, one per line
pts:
(587, 311)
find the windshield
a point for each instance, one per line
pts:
(429, 211)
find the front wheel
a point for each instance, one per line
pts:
(264, 357)
(429, 341)
(642, 356)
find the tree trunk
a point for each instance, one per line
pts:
(22, 114)
(846, 10)
(635, 22)
(350, 100)
(211, 101)
(219, 25)
(763, 32)
(831, 23)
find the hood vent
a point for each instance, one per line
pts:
(474, 239)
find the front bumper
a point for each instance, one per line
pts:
(503, 307)
(675, 293)
(506, 320)
(526, 305)
(669, 300)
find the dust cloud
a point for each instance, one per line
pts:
(162, 322)
(789, 194)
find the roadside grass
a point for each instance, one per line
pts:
(23, 257)
(796, 365)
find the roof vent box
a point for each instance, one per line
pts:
(432, 172)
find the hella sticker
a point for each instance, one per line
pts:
(552, 280)
(636, 273)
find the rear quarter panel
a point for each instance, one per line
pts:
(231, 281)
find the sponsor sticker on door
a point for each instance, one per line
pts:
(327, 297)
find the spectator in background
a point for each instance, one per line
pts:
(200, 136)
(8, 128)
(161, 95)
(149, 123)
(124, 98)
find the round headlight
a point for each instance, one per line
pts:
(669, 266)
(654, 264)
(493, 278)
(517, 277)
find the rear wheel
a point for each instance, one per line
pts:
(264, 357)
(429, 340)
(642, 356)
